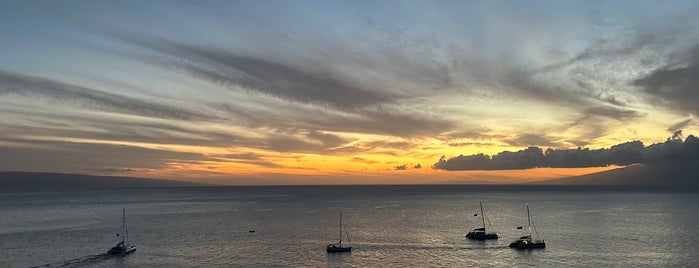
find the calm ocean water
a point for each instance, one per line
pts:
(390, 226)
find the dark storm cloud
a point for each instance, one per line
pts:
(675, 86)
(12, 84)
(534, 157)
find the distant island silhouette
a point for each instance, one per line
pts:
(670, 174)
(47, 182)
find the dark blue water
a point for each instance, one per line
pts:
(389, 226)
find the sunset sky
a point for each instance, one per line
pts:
(335, 92)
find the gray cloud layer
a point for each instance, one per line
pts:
(371, 108)
(372, 69)
(677, 85)
(264, 76)
(58, 156)
(55, 91)
(621, 154)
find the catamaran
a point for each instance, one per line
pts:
(123, 247)
(526, 241)
(339, 247)
(480, 233)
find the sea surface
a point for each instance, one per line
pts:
(389, 226)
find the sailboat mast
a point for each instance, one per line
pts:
(340, 228)
(482, 215)
(529, 220)
(124, 233)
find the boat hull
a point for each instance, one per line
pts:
(121, 250)
(334, 249)
(527, 244)
(481, 236)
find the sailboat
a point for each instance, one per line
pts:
(339, 247)
(526, 241)
(480, 233)
(123, 247)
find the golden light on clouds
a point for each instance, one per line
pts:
(359, 97)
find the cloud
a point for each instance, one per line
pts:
(313, 141)
(371, 110)
(366, 121)
(680, 125)
(534, 157)
(675, 85)
(612, 112)
(407, 166)
(296, 82)
(53, 122)
(364, 160)
(60, 156)
(527, 139)
(12, 84)
(247, 158)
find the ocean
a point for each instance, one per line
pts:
(389, 226)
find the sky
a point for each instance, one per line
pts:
(338, 92)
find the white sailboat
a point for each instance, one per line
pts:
(123, 247)
(339, 247)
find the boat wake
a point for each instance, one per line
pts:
(379, 247)
(81, 261)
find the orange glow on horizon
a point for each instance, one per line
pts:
(231, 176)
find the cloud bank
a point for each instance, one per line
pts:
(633, 152)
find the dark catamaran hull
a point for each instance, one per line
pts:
(481, 236)
(527, 244)
(121, 250)
(334, 249)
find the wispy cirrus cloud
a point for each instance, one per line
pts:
(13, 84)
(378, 85)
(371, 110)
(64, 156)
